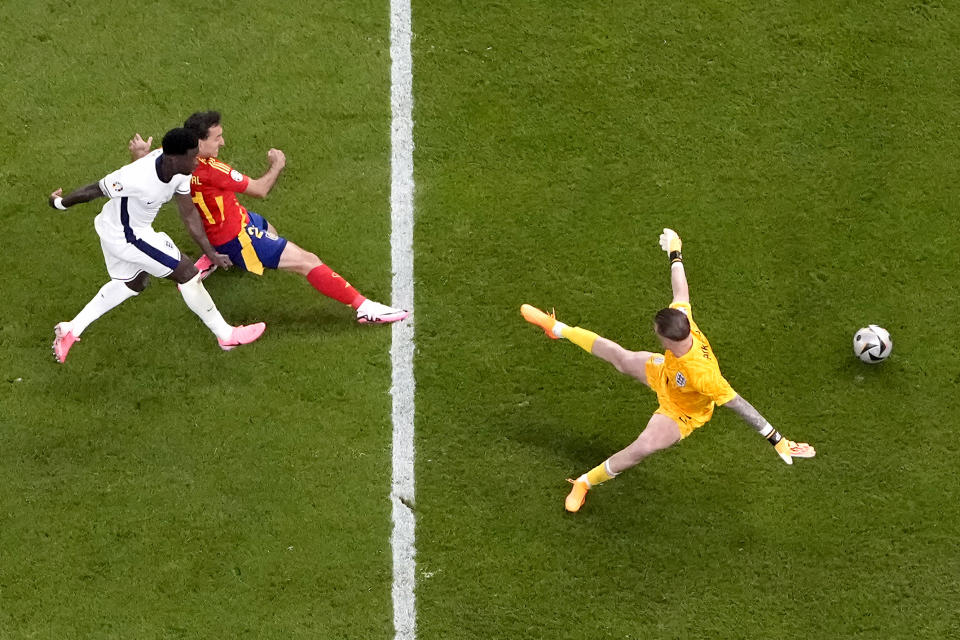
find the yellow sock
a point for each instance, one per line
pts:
(580, 337)
(599, 474)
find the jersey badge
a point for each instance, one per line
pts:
(681, 381)
(236, 175)
(116, 186)
(657, 360)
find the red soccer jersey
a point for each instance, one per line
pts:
(214, 186)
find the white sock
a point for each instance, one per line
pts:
(606, 467)
(558, 328)
(371, 306)
(109, 296)
(200, 302)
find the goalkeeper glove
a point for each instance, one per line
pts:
(788, 449)
(783, 450)
(670, 242)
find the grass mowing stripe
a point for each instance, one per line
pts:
(401, 242)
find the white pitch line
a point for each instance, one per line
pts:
(401, 354)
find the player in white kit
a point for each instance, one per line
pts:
(133, 250)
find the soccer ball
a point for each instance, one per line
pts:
(872, 344)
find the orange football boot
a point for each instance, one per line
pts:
(577, 495)
(543, 320)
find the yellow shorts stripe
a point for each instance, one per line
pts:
(250, 257)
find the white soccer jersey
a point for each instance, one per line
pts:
(136, 194)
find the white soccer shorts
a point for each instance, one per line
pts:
(149, 250)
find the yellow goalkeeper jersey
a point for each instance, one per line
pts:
(690, 386)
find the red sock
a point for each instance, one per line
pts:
(332, 285)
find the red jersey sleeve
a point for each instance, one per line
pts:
(223, 176)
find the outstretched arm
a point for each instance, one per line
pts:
(752, 417)
(678, 280)
(260, 187)
(749, 414)
(191, 220)
(670, 242)
(77, 196)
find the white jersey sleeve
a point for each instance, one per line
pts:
(121, 183)
(183, 188)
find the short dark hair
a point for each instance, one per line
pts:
(178, 142)
(201, 121)
(672, 324)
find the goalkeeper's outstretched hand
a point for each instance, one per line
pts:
(788, 450)
(670, 241)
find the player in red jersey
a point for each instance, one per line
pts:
(246, 237)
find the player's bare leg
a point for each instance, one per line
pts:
(660, 433)
(65, 334)
(332, 284)
(296, 259)
(631, 363)
(196, 297)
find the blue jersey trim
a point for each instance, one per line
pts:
(166, 260)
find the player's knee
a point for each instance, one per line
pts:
(298, 260)
(138, 284)
(649, 442)
(184, 272)
(310, 260)
(307, 262)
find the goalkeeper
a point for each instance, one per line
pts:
(686, 379)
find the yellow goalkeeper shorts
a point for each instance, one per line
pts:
(686, 422)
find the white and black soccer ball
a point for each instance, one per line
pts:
(872, 344)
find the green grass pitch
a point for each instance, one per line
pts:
(156, 487)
